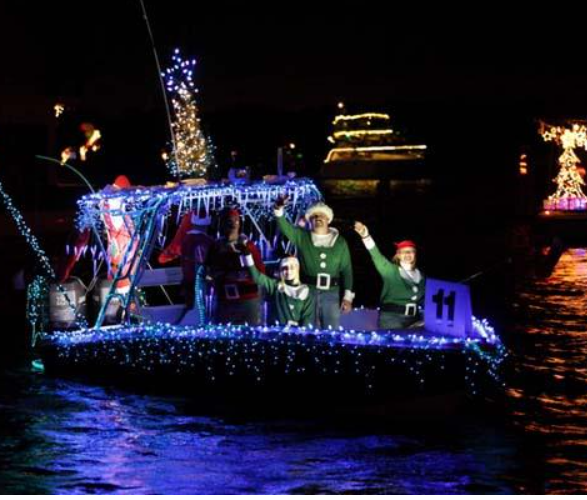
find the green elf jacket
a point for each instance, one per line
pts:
(294, 305)
(331, 257)
(398, 287)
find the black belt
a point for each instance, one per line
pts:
(320, 281)
(407, 310)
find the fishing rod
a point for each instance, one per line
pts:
(161, 82)
(73, 169)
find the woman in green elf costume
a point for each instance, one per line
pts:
(293, 304)
(403, 290)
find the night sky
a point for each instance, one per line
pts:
(468, 82)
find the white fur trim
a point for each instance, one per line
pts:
(300, 292)
(348, 295)
(321, 208)
(325, 240)
(247, 260)
(410, 275)
(369, 243)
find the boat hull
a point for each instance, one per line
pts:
(276, 371)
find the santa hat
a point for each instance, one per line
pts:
(405, 244)
(200, 218)
(122, 182)
(322, 208)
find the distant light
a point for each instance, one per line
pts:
(340, 105)
(292, 145)
(59, 109)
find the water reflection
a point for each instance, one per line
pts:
(63, 437)
(548, 395)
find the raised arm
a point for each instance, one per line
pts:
(291, 232)
(248, 261)
(382, 264)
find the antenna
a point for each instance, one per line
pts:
(159, 72)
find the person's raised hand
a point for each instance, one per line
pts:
(361, 229)
(281, 201)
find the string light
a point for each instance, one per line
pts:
(41, 257)
(569, 194)
(224, 351)
(25, 231)
(37, 309)
(193, 155)
(255, 199)
(381, 116)
(335, 151)
(362, 133)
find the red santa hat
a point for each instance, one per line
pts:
(122, 182)
(405, 244)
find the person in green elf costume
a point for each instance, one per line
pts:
(403, 290)
(293, 304)
(325, 261)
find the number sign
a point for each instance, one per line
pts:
(447, 308)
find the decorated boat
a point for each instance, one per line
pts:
(88, 328)
(367, 155)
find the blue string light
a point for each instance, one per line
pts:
(42, 259)
(230, 350)
(257, 199)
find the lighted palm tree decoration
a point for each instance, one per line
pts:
(569, 194)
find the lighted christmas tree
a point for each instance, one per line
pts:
(192, 153)
(569, 194)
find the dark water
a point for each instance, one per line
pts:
(58, 436)
(61, 437)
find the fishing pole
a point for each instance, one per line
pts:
(73, 169)
(161, 82)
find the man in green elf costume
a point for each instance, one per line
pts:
(324, 258)
(404, 285)
(293, 304)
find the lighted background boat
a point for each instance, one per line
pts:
(366, 151)
(161, 345)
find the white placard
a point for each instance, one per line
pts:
(447, 308)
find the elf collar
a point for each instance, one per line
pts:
(325, 240)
